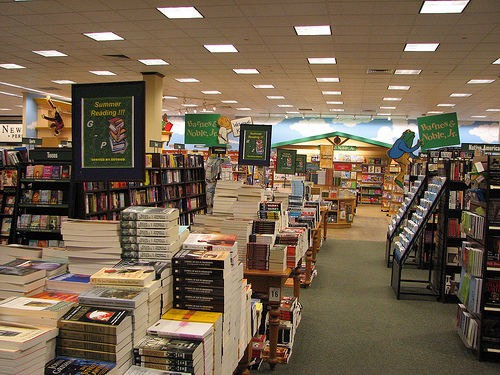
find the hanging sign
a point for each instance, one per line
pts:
(438, 131)
(326, 156)
(285, 161)
(255, 145)
(300, 163)
(11, 133)
(201, 128)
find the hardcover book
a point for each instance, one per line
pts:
(202, 259)
(104, 296)
(492, 293)
(69, 282)
(78, 366)
(152, 345)
(219, 242)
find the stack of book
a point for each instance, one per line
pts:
(207, 224)
(98, 247)
(151, 233)
(290, 315)
(24, 349)
(247, 205)
(258, 256)
(265, 226)
(277, 258)
(170, 354)
(202, 333)
(69, 283)
(13, 251)
(241, 228)
(225, 196)
(24, 277)
(97, 333)
(296, 242)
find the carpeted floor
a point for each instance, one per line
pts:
(352, 322)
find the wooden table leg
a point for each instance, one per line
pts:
(244, 362)
(307, 281)
(315, 244)
(325, 225)
(274, 325)
(296, 279)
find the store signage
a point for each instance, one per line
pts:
(11, 133)
(66, 143)
(236, 124)
(32, 141)
(255, 145)
(326, 156)
(179, 146)
(201, 128)
(342, 167)
(480, 147)
(300, 163)
(285, 161)
(438, 131)
(345, 148)
(51, 155)
(199, 146)
(156, 144)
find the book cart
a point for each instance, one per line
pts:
(408, 240)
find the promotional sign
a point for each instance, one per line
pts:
(236, 124)
(438, 131)
(285, 161)
(11, 133)
(201, 128)
(326, 156)
(255, 145)
(108, 125)
(300, 163)
(484, 147)
(342, 167)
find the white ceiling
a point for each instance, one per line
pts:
(365, 35)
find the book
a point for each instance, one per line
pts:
(150, 213)
(108, 296)
(95, 319)
(181, 329)
(152, 345)
(219, 242)
(46, 172)
(68, 282)
(29, 171)
(138, 370)
(6, 225)
(60, 296)
(37, 171)
(492, 292)
(132, 277)
(78, 366)
(8, 178)
(21, 336)
(202, 259)
(20, 272)
(65, 171)
(56, 172)
(36, 307)
(96, 337)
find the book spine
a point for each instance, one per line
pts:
(197, 298)
(192, 289)
(110, 281)
(108, 302)
(85, 336)
(87, 327)
(172, 354)
(163, 360)
(188, 263)
(87, 345)
(162, 367)
(198, 272)
(86, 354)
(197, 282)
(212, 307)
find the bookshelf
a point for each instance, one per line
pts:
(372, 180)
(8, 187)
(341, 212)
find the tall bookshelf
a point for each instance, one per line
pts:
(8, 187)
(371, 180)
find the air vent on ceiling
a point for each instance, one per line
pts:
(49, 88)
(380, 71)
(368, 110)
(305, 109)
(116, 57)
(224, 106)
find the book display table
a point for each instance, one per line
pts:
(271, 283)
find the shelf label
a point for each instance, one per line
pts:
(59, 154)
(155, 144)
(179, 146)
(32, 141)
(274, 294)
(345, 148)
(66, 143)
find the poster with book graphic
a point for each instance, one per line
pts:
(286, 161)
(255, 145)
(108, 131)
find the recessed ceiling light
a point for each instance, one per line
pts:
(332, 92)
(10, 94)
(211, 92)
(189, 105)
(407, 71)
(263, 86)
(421, 47)
(285, 105)
(12, 66)
(479, 116)
(153, 62)
(218, 48)
(497, 61)
(103, 37)
(243, 109)
(493, 110)
(387, 107)
(443, 6)
(459, 95)
(180, 12)
(322, 60)
(170, 97)
(392, 99)
(336, 110)
(32, 90)
(435, 112)
(229, 101)
(293, 112)
(473, 81)
(186, 80)
(446, 105)
(273, 97)
(334, 102)
(313, 30)
(246, 71)
(50, 53)
(63, 82)
(332, 79)
(383, 114)
(102, 72)
(398, 87)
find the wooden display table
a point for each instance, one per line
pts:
(270, 283)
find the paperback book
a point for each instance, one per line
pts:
(78, 366)
(35, 307)
(108, 296)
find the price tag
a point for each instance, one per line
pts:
(274, 294)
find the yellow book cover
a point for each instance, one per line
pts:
(133, 277)
(197, 316)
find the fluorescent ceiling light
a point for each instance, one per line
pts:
(10, 109)
(459, 95)
(392, 99)
(421, 47)
(102, 72)
(293, 112)
(103, 37)
(407, 71)
(63, 82)
(180, 12)
(322, 60)
(243, 109)
(10, 94)
(186, 80)
(443, 6)
(170, 97)
(189, 105)
(435, 112)
(334, 102)
(50, 53)
(387, 107)
(285, 105)
(272, 97)
(497, 61)
(332, 79)
(153, 62)
(12, 66)
(479, 116)
(332, 92)
(32, 90)
(493, 110)
(398, 87)
(246, 71)
(336, 110)
(313, 30)
(229, 101)
(217, 48)
(212, 92)
(473, 81)
(263, 86)
(383, 114)
(446, 105)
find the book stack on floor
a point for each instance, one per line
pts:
(241, 228)
(151, 233)
(201, 334)
(97, 333)
(226, 193)
(247, 205)
(24, 349)
(24, 277)
(290, 315)
(91, 244)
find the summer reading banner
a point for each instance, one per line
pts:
(108, 125)
(285, 161)
(438, 131)
(255, 145)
